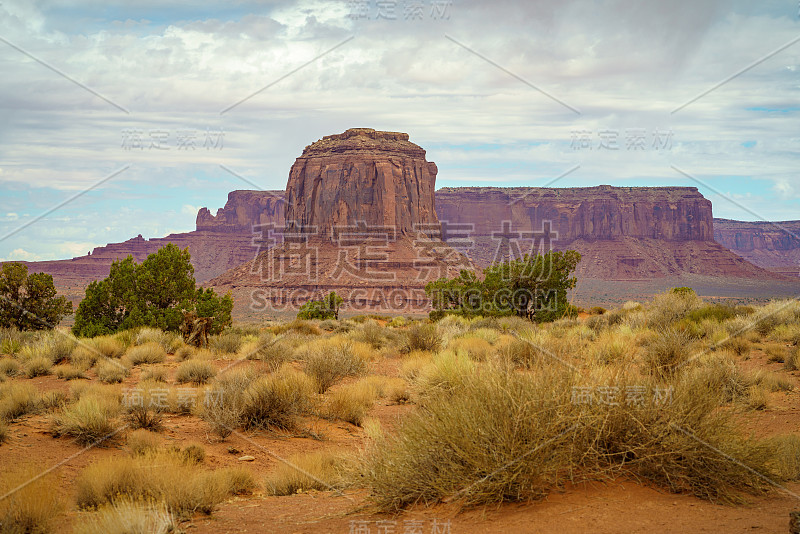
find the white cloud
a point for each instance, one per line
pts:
(19, 254)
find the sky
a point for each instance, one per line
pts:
(118, 119)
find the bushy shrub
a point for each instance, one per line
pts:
(668, 352)
(421, 337)
(88, 420)
(111, 371)
(331, 360)
(18, 399)
(226, 343)
(351, 402)
(150, 352)
(276, 400)
(194, 371)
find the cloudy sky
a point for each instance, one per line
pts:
(122, 118)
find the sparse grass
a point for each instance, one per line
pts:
(315, 471)
(276, 400)
(421, 337)
(331, 360)
(150, 352)
(88, 420)
(111, 371)
(34, 507)
(351, 402)
(163, 476)
(18, 399)
(299, 326)
(126, 516)
(194, 371)
(37, 366)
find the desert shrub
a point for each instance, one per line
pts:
(5, 431)
(738, 345)
(786, 333)
(671, 306)
(351, 402)
(143, 441)
(111, 371)
(10, 367)
(398, 322)
(421, 337)
(314, 471)
(192, 454)
(792, 362)
(155, 374)
(194, 371)
(714, 312)
(508, 436)
(164, 476)
(274, 353)
(786, 456)
(143, 416)
(150, 352)
(300, 326)
(126, 516)
(184, 353)
(105, 346)
(475, 347)
(597, 310)
(331, 360)
(55, 347)
(18, 399)
(68, 372)
(445, 373)
(771, 381)
(37, 366)
(776, 353)
(226, 343)
(757, 398)
(89, 419)
(224, 406)
(31, 502)
(276, 400)
(372, 333)
(612, 347)
(667, 352)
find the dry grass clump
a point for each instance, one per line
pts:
(757, 398)
(477, 348)
(34, 507)
(111, 371)
(169, 341)
(10, 366)
(613, 347)
(68, 372)
(5, 431)
(446, 373)
(37, 366)
(299, 326)
(89, 419)
(330, 360)
(669, 307)
(505, 436)
(106, 346)
(792, 361)
(18, 399)
(194, 371)
(143, 441)
(126, 516)
(668, 352)
(739, 345)
(277, 400)
(162, 476)
(320, 470)
(421, 336)
(226, 343)
(351, 402)
(786, 455)
(274, 353)
(150, 352)
(155, 374)
(224, 402)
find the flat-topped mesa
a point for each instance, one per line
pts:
(362, 176)
(602, 212)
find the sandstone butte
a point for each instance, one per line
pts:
(381, 179)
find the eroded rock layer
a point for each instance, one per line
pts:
(772, 245)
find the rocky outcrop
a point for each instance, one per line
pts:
(362, 176)
(242, 211)
(361, 221)
(772, 245)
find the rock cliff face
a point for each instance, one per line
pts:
(361, 176)
(243, 210)
(774, 246)
(361, 221)
(603, 212)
